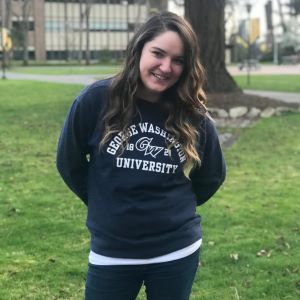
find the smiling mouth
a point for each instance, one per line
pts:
(161, 77)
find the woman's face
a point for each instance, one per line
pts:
(161, 64)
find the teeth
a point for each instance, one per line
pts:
(160, 76)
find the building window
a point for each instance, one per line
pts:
(18, 25)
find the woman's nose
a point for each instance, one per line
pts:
(166, 66)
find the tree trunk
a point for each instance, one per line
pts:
(25, 29)
(207, 19)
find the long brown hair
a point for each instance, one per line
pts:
(187, 96)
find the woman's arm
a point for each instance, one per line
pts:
(71, 160)
(209, 176)
(73, 146)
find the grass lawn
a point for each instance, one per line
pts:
(280, 83)
(67, 70)
(284, 83)
(251, 228)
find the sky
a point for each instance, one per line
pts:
(257, 11)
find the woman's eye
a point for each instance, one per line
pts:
(179, 61)
(157, 54)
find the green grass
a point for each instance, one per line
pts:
(44, 242)
(280, 83)
(257, 209)
(67, 70)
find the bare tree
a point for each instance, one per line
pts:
(179, 2)
(7, 20)
(25, 29)
(139, 4)
(157, 5)
(230, 4)
(81, 18)
(88, 6)
(282, 22)
(66, 29)
(21, 33)
(207, 19)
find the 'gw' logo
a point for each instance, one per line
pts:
(144, 144)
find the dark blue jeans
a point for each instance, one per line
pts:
(163, 281)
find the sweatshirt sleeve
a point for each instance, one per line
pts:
(209, 176)
(73, 146)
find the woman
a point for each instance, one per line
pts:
(141, 153)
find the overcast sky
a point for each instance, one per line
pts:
(257, 11)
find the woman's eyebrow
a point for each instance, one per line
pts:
(159, 49)
(165, 52)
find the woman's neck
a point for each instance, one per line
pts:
(148, 95)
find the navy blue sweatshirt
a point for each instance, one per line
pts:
(140, 203)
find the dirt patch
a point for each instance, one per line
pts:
(229, 100)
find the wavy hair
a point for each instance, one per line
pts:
(188, 99)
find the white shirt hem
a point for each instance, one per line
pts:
(97, 259)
